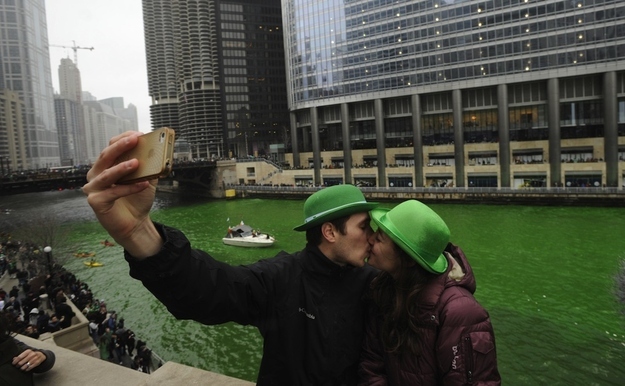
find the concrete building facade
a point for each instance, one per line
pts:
(503, 93)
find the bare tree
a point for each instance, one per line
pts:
(43, 230)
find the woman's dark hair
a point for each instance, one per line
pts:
(394, 298)
(7, 324)
(313, 235)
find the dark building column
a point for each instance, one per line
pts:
(347, 145)
(379, 139)
(503, 117)
(553, 106)
(314, 131)
(610, 124)
(294, 136)
(456, 96)
(417, 139)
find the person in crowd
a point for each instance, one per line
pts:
(65, 312)
(3, 264)
(137, 364)
(307, 305)
(111, 322)
(115, 348)
(54, 324)
(14, 292)
(424, 327)
(33, 315)
(145, 354)
(130, 341)
(42, 321)
(31, 331)
(18, 361)
(104, 345)
(22, 277)
(13, 302)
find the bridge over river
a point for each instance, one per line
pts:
(191, 175)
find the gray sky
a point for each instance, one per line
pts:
(116, 66)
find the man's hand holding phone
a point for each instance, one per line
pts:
(123, 209)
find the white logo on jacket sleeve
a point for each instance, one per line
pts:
(309, 316)
(453, 362)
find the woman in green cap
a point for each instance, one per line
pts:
(424, 327)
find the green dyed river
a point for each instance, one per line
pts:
(545, 274)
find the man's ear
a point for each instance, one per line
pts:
(328, 232)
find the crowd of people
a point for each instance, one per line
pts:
(38, 304)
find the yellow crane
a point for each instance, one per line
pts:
(75, 48)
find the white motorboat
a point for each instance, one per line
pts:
(245, 236)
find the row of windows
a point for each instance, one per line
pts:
(514, 22)
(506, 52)
(310, 90)
(528, 115)
(486, 44)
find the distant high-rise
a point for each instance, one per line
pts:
(25, 70)
(70, 120)
(216, 73)
(69, 81)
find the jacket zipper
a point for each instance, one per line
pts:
(468, 352)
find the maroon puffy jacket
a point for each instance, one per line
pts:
(459, 341)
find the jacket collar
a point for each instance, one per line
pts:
(316, 262)
(429, 297)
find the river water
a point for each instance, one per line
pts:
(545, 274)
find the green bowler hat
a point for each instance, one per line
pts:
(418, 231)
(331, 203)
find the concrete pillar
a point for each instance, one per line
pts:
(456, 96)
(347, 145)
(553, 106)
(610, 127)
(294, 136)
(314, 122)
(379, 140)
(417, 139)
(503, 118)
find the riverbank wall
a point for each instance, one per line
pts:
(606, 197)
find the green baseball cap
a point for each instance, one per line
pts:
(418, 231)
(331, 203)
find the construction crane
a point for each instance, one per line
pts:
(75, 48)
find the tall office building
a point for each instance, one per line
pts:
(25, 70)
(252, 70)
(215, 69)
(502, 93)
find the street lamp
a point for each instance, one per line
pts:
(48, 251)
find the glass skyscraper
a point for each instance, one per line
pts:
(472, 93)
(25, 71)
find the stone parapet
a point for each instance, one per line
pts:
(75, 369)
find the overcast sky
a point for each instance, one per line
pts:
(116, 65)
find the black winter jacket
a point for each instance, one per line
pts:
(309, 310)
(11, 375)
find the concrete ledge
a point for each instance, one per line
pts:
(176, 374)
(76, 369)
